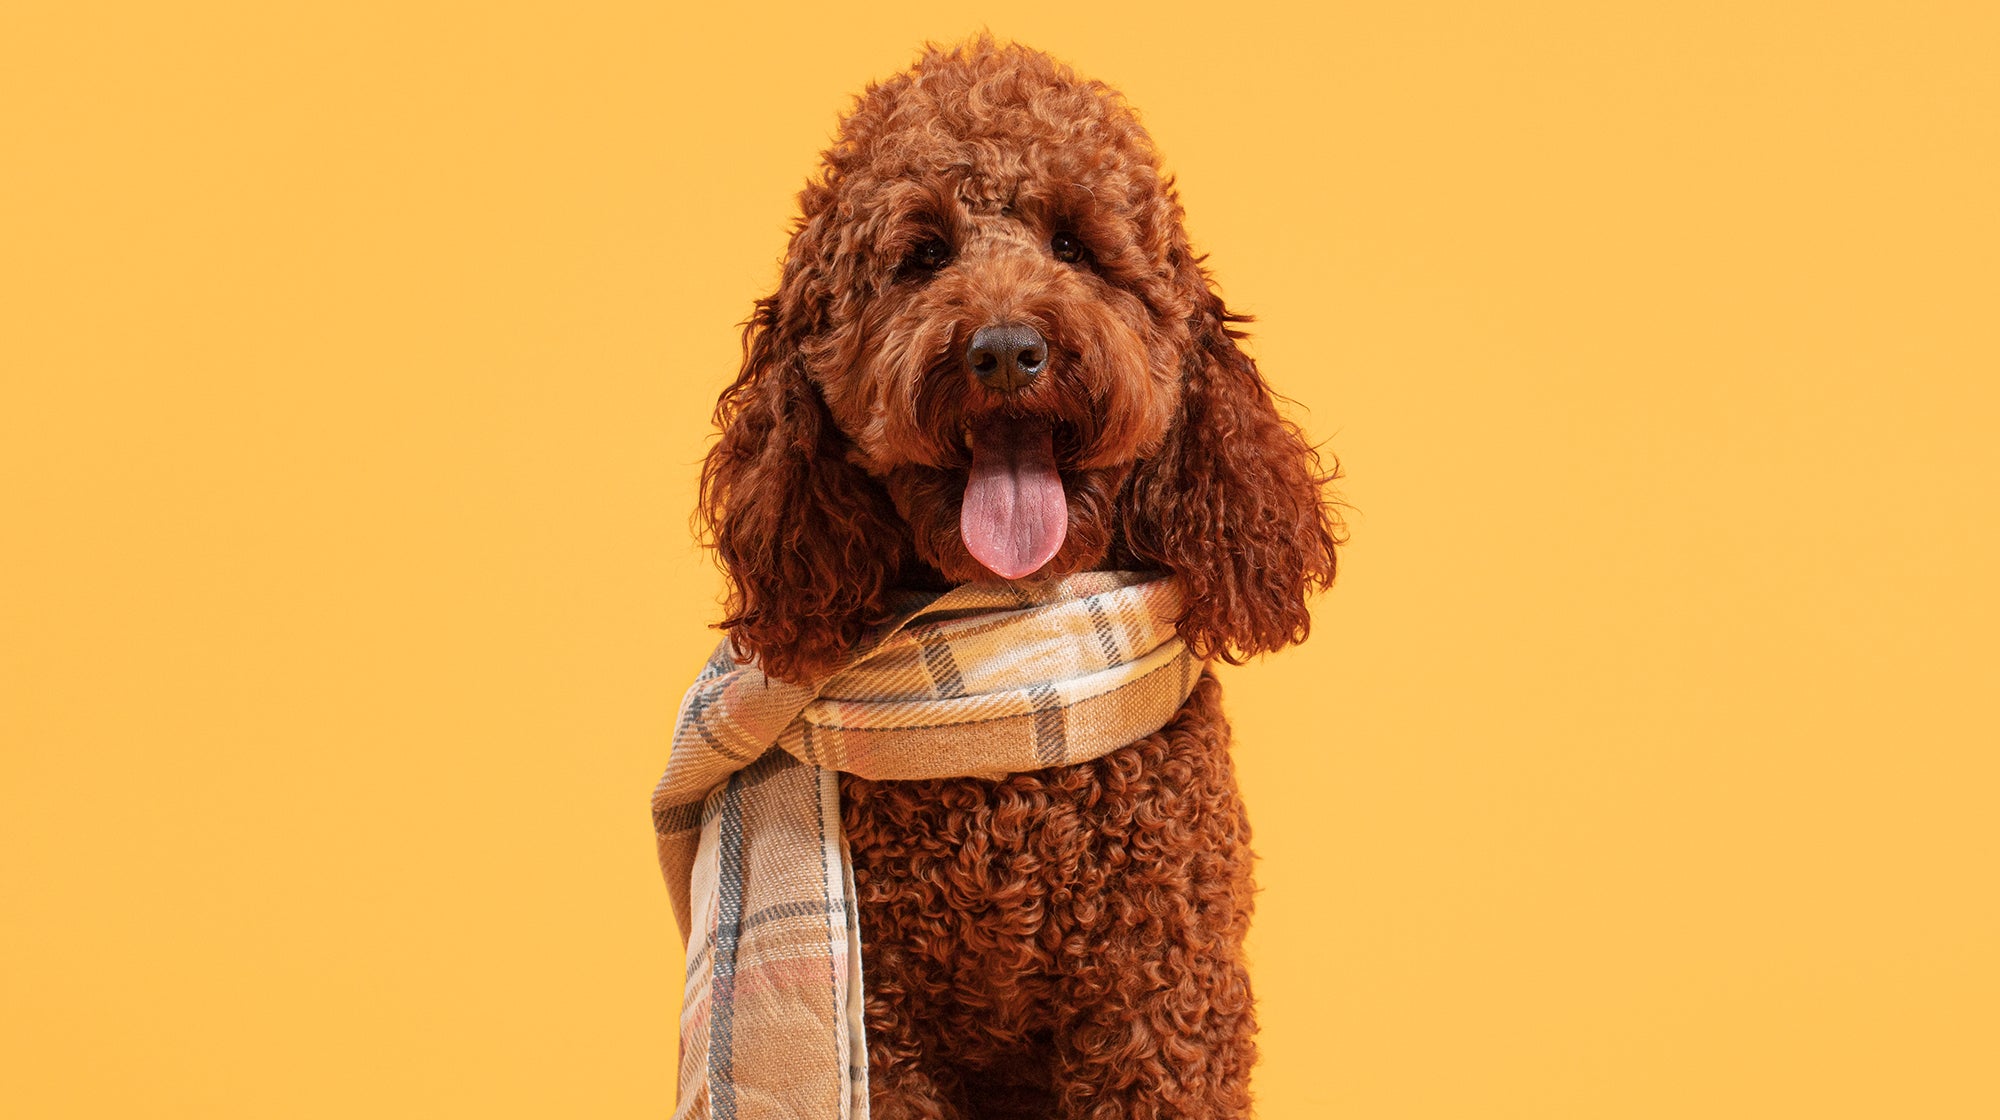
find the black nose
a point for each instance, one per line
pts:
(1007, 357)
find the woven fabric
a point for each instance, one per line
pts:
(981, 681)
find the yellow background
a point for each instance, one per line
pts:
(357, 360)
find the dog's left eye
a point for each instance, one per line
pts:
(1066, 247)
(928, 256)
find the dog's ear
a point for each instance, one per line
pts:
(1234, 503)
(809, 542)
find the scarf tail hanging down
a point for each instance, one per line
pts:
(981, 681)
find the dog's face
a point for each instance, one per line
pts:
(993, 356)
(1014, 325)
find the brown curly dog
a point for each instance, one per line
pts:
(993, 353)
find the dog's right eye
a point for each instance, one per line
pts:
(928, 256)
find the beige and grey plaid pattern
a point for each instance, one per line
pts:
(981, 681)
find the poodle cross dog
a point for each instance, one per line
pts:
(993, 356)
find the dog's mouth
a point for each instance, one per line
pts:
(1015, 514)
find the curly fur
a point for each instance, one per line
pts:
(1066, 942)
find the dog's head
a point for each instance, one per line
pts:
(993, 355)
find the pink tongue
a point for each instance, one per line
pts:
(1014, 516)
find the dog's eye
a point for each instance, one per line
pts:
(929, 255)
(1066, 247)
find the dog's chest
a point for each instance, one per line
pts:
(1010, 877)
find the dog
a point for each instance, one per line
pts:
(993, 356)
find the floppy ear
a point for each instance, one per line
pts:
(1234, 502)
(809, 542)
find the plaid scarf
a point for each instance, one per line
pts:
(981, 681)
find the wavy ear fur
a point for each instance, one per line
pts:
(1234, 503)
(809, 542)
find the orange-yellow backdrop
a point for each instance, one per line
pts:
(357, 360)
